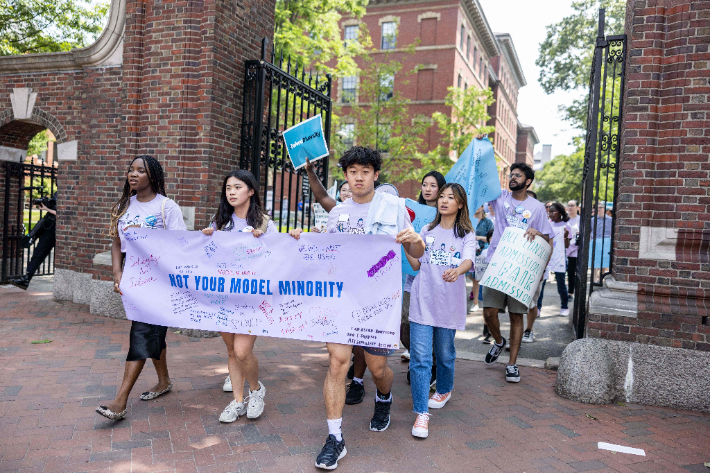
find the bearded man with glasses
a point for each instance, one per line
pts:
(513, 208)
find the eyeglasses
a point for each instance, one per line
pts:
(515, 176)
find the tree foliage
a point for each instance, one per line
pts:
(560, 179)
(565, 57)
(40, 26)
(469, 113)
(382, 119)
(309, 32)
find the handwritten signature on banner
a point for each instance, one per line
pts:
(275, 286)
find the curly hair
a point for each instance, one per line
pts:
(362, 156)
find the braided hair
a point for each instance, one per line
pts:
(157, 184)
(255, 214)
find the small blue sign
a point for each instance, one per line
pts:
(306, 140)
(423, 215)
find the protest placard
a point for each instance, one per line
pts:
(320, 221)
(423, 215)
(306, 140)
(517, 265)
(323, 287)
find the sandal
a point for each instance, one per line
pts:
(109, 414)
(150, 395)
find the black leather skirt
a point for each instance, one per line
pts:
(147, 341)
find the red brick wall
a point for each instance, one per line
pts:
(665, 175)
(177, 96)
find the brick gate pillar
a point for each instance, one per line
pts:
(648, 328)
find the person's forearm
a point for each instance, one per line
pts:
(116, 257)
(319, 191)
(53, 212)
(413, 262)
(416, 249)
(465, 267)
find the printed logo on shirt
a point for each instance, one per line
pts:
(345, 227)
(151, 221)
(514, 221)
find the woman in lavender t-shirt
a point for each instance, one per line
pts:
(142, 205)
(240, 210)
(438, 302)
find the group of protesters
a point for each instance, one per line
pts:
(434, 302)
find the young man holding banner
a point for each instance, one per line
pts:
(366, 212)
(514, 208)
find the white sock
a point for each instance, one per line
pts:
(501, 343)
(358, 380)
(334, 428)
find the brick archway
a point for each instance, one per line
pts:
(18, 133)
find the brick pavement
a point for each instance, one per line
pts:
(48, 393)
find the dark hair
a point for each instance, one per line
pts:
(532, 194)
(255, 215)
(362, 156)
(561, 209)
(527, 170)
(440, 182)
(489, 235)
(463, 224)
(156, 176)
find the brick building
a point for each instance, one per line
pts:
(649, 327)
(164, 78)
(456, 47)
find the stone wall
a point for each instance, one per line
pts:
(662, 244)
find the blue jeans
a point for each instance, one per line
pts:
(561, 290)
(421, 339)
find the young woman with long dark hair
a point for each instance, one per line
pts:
(143, 204)
(438, 301)
(240, 210)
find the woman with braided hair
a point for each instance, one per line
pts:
(143, 205)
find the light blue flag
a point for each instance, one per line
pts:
(306, 140)
(476, 171)
(423, 215)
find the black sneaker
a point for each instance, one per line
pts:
(355, 394)
(487, 339)
(330, 454)
(23, 282)
(381, 419)
(432, 381)
(351, 371)
(494, 353)
(512, 375)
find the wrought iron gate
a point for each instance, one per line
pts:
(24, 183)
(601, 169)
(274, 100)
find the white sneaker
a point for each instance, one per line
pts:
(232, 412)
(405, 355)
(437, 401)
(475, 308)
(421, 426)
(256, 402)
(564, 312)
(528, 336)
(227, 386)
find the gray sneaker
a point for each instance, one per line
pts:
(227, 386)
(232, 412)
(528, 336)
(256, 402)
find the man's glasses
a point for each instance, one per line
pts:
(515, 176)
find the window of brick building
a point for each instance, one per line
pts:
(425, 84)
(468, 46)
(480, 66)
(347, 135)
(463, 34)
(386, 86)
(460, 81)
(351, 34)
(389, 35)
(349, 89)
(475, 57)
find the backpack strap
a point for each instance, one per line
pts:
(162, 213)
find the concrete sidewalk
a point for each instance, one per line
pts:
(48, 393)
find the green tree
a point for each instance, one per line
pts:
(381, 117)
(40, 26)
(560, 178)
(309, 32)
(469, 114)
(565, 57)
(38, 143)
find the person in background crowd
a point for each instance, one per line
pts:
(558, 219)
(601, 228)
(482, 228)
(514, 208)
(432, 182)
(143, 205)
(361, 167)
(490, 212)
(438, 311)
(571, 244)
(344, 193)
(240, 211)
(47, 228)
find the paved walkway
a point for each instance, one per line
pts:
(48, 393)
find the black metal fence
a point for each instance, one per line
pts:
(278, 95)
(24, 183)
(601, 170)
